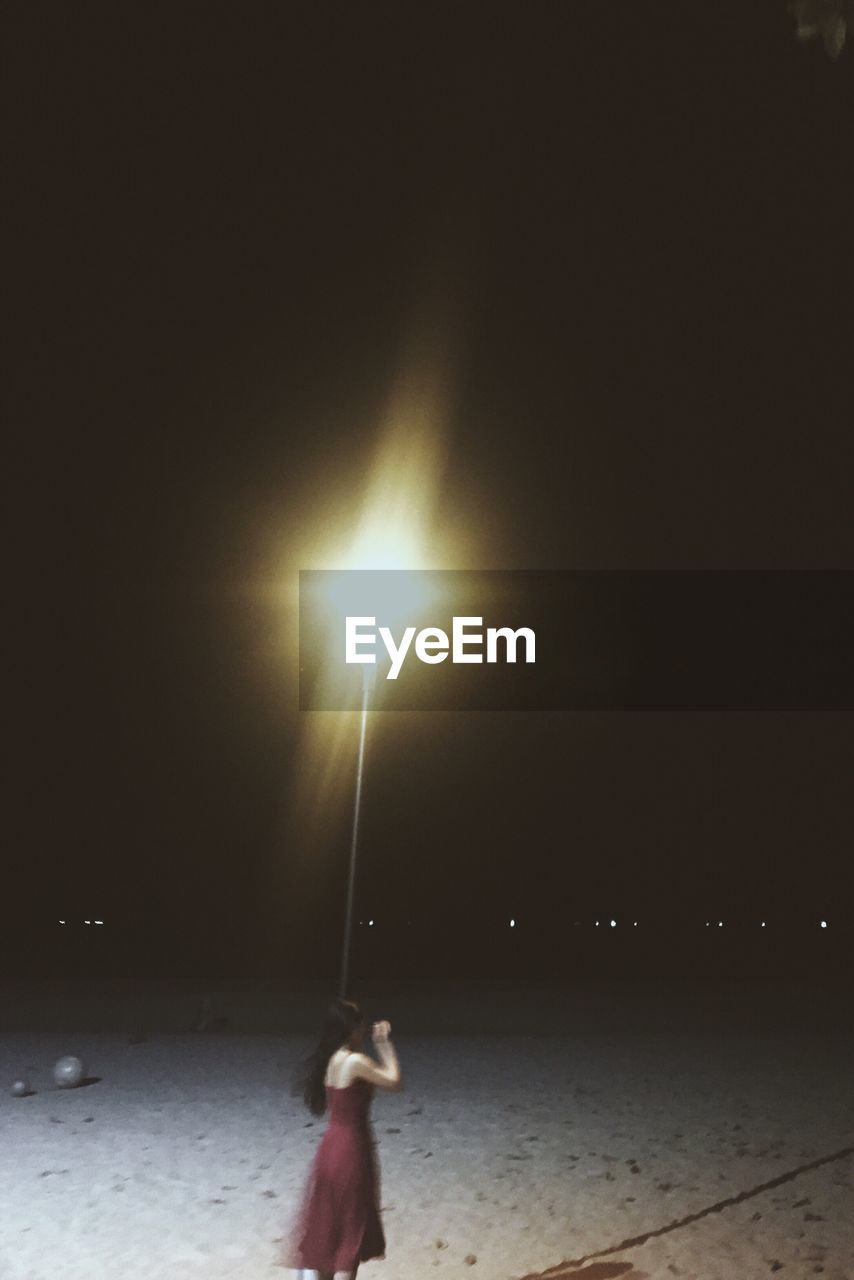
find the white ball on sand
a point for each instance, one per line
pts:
(68, 1072)
(20, 1088)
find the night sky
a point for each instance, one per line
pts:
(223, 225)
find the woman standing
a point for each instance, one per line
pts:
(338, 1224)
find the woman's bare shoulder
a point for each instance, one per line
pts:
(355, 1066)
(362, 1067)
(356, 1063)
(337, 1073)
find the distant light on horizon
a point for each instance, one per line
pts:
(370, 922)
(824, 924)
(512, 924)
(613, 924)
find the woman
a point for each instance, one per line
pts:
(338, 1225)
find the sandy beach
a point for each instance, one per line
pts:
(507, 1155)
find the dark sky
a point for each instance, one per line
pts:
(221, 222)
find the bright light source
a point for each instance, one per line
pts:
(370, 922)
(824, 924)
(87, 921)
(62, 922)
(512, 924)
(763, 924)
(613, 924)
(720, 924)
(597, 924)
(99, 922)
(635, 924)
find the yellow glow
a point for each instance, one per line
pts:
(383, 511)
(394, 527)
(389, 520)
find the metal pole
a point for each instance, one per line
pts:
(348, 919)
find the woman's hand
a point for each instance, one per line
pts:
(381, 1032)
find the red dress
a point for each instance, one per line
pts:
(338, 1222)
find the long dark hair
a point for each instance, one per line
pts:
(342, 1019)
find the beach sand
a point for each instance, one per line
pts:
(505, 1156)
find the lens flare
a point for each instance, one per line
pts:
(382, 511)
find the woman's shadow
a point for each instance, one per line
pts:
(606, 1271)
